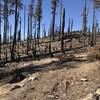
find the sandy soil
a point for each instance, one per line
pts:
(57, 81)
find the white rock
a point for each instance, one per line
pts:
(98, 91)
(89, 97)
(33, 77)
(84, 79)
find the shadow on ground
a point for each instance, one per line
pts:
(30, 69)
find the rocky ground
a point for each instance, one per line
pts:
(55, 78)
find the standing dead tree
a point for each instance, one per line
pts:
(0, 47)
(24, 20)
(15, 31)
(62, 33)
(96, 6)
(71, 37)
(10, 37)
(28, 34)
(93, 25)
(84, 25)
(44, 31)
(38, 17)
(61, 8)
(31, 13)
(19, 32)
(50, 51)
(95, 33)
(54, 6)
(17, 4)
(5, 16)
(35, 31)
(89, 35)
(0, 29)
(69, 24)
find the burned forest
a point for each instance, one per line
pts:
(49, 50)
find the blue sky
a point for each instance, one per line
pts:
(73, 10)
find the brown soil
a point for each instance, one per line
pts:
(55, 80)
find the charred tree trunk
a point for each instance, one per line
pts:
(38, 32)
(34, 52)
(10, 38)
(71, 38)
(0, 47)
(15, 33)
(24, 21)
(84, 26)
(53, 25)
(28, 36)
(0, 32)
(89, 36)
(62, 33)
(20, 29)
(50, 52)
(30, 21)
(93, 26)
(60, 18)
(50, 39)
(68, 34)
(95, 35)
(44, 32)
(6, 54)
(19, 32)
(5, 21)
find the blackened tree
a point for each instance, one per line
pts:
(54, 6)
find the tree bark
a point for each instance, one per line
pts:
(15, 32)
(62, 33)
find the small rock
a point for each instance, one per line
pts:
(33, 77)
(72, 84)
(98, 91)
(97, 94)
(84, 79)
(89, 97)
(51, 96)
